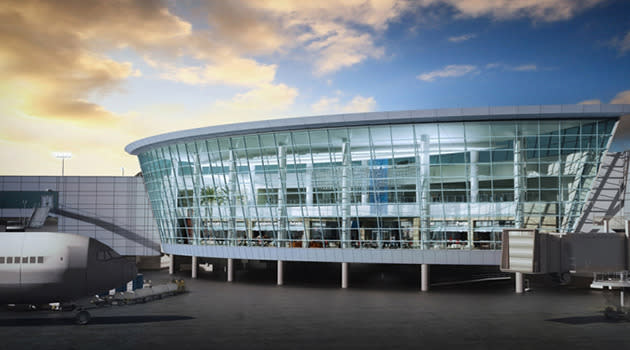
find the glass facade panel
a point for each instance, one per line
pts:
(417, 186)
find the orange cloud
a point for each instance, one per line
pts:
(54, 51)
(331, 105)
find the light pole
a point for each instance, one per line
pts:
(63, 156)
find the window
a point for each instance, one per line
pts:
(103, 255)
(267, 196)
(32, 260)
(16, 260)
(40, 259)
(9, 260)
(25, 260)
(1, 259)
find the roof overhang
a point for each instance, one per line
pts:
(384, 118)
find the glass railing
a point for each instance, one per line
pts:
(448, 244)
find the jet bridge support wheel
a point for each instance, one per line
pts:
(82, 317)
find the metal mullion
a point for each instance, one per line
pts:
(538, 151)
(169, 210)
(560, 174)
(189, 200)
(282, 220)
(264, 171)
(352, 193)
(227, 186)
(297, 181)
(467, 196)
(197, 218)
(319, 209)
(252, 185)
(494, 221)
(379, 228)
(203, 183)
(335, 186)
(418, 200)
(151, 165)
(216, 194)
(175, 175)
(398, 203)
(442, 228)
(240, 194)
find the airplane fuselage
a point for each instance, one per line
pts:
(42, 267)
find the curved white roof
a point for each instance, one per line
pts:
(383, 118)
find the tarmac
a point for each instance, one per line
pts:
(381, 309)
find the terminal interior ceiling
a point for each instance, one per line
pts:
(418, 185)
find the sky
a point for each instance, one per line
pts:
(90, 77)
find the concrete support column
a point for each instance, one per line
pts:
(424, 277)
(230, 269)
(282, 197)
(519, 282)
(346, 171)
(193, 267)
(171, 265)
(344, 275)
(280, 273)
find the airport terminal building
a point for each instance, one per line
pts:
(407, 187)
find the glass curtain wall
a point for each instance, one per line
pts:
(415, 186)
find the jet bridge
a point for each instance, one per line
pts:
(527, 251)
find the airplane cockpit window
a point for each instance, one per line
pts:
(1, 259)
(25, 260)
(103, 255)
(16, 260)
(32, 260)
(40, 259)
(9, 260)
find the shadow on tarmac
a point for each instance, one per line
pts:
(581, 320)
(49, 321)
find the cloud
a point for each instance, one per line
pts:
(590, 102)
(463, 37)
(525, 68)
(540, 10)
(449, 71)
(332, 105)
(58, 65)
(232, 71)
(264, 99)
(622, 97)
(336, 34)
(529, 67)
(621, 44)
